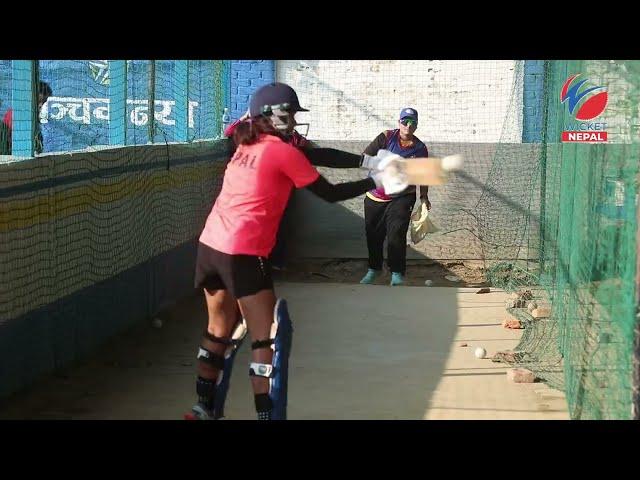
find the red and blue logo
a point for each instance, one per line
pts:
(584, 103)
(594, 104)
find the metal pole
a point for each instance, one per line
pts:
(152, 100)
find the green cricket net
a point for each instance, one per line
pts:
(585, 233)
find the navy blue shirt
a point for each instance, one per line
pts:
(390, 140)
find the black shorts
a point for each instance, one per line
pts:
(241, 275)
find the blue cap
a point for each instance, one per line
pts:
(409, 113)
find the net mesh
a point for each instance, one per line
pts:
(82, 226)
(555, 223)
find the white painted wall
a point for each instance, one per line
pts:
(457, 100)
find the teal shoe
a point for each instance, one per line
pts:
(396, 279)
(370, 276)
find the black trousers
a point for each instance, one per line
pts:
(388, 220)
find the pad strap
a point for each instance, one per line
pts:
(260, 369)
(213, 338)
(214, 359)
(262, 344)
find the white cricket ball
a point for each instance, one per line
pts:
(480, 352)
(428, 283)
(157, 322)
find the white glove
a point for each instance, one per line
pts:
(391, 175)
(371, 163)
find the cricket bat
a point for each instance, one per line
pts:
(429, 170)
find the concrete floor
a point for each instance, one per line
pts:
(359, 352)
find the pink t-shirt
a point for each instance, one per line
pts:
(256, 187)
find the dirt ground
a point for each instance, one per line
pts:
(360, 352)
(461, 273)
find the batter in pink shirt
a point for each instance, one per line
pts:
(232, 265)
(257, 185)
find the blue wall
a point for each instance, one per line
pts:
(533, 101)
(246, 77)
(72, 125)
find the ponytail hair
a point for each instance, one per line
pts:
(248, 132)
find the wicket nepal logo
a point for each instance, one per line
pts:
(583, 111)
